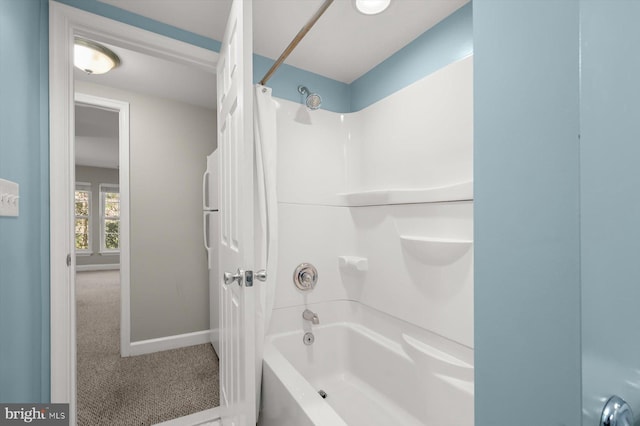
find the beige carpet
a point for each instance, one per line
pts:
(140, 390)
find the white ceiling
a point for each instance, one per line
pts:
(343, 45)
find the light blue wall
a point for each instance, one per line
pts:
(24, 241)
(610, 203)
(336, 96)
(447, 42)
(527, 235)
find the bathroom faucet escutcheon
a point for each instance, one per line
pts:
(305, 277)
(310, 316)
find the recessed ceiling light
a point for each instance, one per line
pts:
(371, 7)
(93, 58)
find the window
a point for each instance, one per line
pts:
(83, 213)
(110, 218)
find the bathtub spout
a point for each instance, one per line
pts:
(310, 316)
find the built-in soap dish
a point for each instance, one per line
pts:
(353, 263)
(435, 251)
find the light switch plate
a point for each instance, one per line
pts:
(9, 198)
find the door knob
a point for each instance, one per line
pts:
(616, 412)
(230, 278)
(261, 275)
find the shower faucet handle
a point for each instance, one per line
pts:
(305, 277)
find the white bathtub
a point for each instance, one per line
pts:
(375, 369)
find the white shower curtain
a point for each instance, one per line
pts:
(266, 226)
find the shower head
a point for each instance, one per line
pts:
(313, 100)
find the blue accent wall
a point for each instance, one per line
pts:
(527, 211)
(447, 42)
(336, 96)
(24, 241)
(610, 203)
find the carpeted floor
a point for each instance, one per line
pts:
(140, 390)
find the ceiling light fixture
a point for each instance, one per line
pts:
(93, 58)
(371, 7)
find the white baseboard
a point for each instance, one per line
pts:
(105, 267)
(170, 342)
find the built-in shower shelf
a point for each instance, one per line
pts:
(435, 251)
(455, 192)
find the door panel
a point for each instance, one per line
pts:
(213, 232)
(237, 298)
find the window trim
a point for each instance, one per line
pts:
(104, 189)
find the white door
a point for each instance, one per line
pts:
(237, 294)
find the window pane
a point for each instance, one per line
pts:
(82, 234)
(82, 225)
(113, 196)
(82, 203)
(82, 242)
(112, 234)
(82, 208)
(112, 208)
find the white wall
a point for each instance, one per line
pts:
(420, 255)
(169, 142)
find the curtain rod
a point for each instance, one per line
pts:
(296, 40)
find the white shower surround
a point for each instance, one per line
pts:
(418, 138)
(418, 252)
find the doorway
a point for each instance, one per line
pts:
(65, 23)
(163, 382)
(102, 148)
